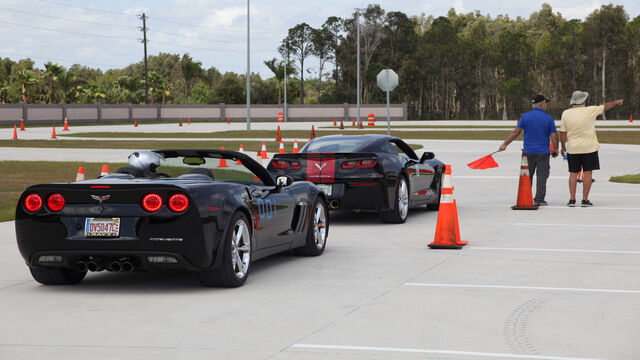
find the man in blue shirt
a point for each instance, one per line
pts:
(537, 126)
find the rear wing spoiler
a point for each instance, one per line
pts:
(324, 155)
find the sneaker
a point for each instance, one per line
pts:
(541, 203)
(571, 203)
(587, 203)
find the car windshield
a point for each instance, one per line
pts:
(335, 145)
(176, 166)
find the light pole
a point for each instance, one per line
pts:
(358, 68)
(286, 63)
(248, 70)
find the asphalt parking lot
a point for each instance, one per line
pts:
(556, 283)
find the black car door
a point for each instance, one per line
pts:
(419, 174)
(272, 220)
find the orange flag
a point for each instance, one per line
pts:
(485, 162)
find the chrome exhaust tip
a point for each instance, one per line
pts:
(95, 265)
(115, 266)
(127, 266)
(334, 204)
(82, 266)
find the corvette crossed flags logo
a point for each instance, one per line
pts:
(100, 199)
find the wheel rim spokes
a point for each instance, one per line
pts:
(319, 226)
(403, 199)
(240, 249)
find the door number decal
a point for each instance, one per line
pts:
(267, 208)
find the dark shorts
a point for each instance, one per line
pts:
(585, 162)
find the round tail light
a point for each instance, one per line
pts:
(33, 202)
(151, 202)
(178, 203)
(55, 202)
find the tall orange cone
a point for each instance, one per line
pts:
(341, 125)
(228, 120)
(135, 122)
(188, 120)
(105, 170)
(278, 134)
(360, 126)
(66, 124)
(281, 149)
(263, 151)
(353, 122)
(525, 198)
(630, 117)
(180, 122)
(53, 133)
(447, 234)
(15, 132)
(21, 124)
(313, 133)
(241, 150)
(80, 174)
(334, 122)
(295, 146)
(223, 161)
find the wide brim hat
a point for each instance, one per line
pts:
(578, 97)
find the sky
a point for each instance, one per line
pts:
(105, 33)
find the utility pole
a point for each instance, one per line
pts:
(286, 63)
(146, 72)
(358, 68)
(248, 71)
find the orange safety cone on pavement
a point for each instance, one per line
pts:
(189, 120)
(295, 146)
(228, 120)
(21, 124)
(53, 133)
(630, 117)
(223, 161)
(278, 134)
(263, 151)
(105, 170)
(80, 174)
(334, 122)
(241, 150)
(281, 149)
(15, 132)
(372, 120)
(180, 122)
(66, 124)
(313, 133)
(135, 122)
(447, 234)
(353, 122)
(525, 198)
(360, 126)
(341, 125)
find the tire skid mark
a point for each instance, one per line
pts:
(516, 329)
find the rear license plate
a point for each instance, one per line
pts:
(102, 227)
(325, 189)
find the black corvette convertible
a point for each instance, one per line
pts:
(208, 211)
(374, 172)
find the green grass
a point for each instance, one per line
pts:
(629, 179)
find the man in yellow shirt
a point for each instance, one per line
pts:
(578, 139)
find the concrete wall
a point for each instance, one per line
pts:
(98, 113)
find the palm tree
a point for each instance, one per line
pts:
(26, 78)
(155, 82)
(51, 74)
(70, 86)
(191, 70)
(165, 88)
(96, 91)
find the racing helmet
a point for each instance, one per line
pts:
(146, 161)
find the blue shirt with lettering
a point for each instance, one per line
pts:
(537, 126)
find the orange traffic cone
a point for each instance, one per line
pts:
(353, 122)
(241, 150)
(280, 117)
(223, 161)
(447, 234)
(334, 122)
(281, 149)
(105, 170)
(21, 124)
(313, 133)
(228, 120)
(295, 146)
(135, 122)
(525, 198)
(80, 174)
(180, 122)
(66, 124)
(15, 132)
(341, 125)
(630, 117)
(263, 151)
(278, 135)
(53, 133)
(188, 120)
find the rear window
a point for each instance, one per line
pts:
(334, 145)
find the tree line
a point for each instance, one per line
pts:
(459, 66)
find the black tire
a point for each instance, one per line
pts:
(395, 215)
(56, 275)
(436, 205)
(314, 246)
(228, 274)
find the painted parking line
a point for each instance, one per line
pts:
(625, 195)
(555, 250)
(434, 351)
(593, 208)
(499, 177)
(544, 288)
(582, 225)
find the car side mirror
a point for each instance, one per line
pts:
(284, 180)
(427, 155)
